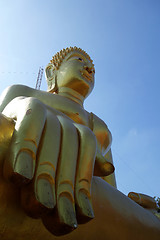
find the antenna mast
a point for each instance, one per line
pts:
(39, 78)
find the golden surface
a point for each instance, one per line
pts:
(6, 131)
(51, 149)
(143, 200)
(116, 217)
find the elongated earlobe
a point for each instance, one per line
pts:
(51, 78)
(53, 87)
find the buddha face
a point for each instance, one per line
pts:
(76, 72)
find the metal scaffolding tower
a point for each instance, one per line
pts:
(39, 78)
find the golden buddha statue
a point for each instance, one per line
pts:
(53, 153)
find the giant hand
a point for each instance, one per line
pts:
(52, 159)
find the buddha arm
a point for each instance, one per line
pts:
(34, 121)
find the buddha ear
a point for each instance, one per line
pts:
(50, 73)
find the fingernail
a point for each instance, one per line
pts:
(108, 168)
(45, 194)
(134, 196)
(85, 204)
(24, 165)
(66, 212)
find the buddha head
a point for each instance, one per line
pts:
(70, 68)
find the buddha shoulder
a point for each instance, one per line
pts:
(21, 90)
(12, 92)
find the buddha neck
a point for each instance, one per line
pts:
(71, 94)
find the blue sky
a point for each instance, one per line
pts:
(123, 39)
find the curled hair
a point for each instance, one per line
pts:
(57, 59)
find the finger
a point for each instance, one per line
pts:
(39, 197)
(66, 175)
(6, 132)
(86, 160)
(103, 166)
(30, 116)
(143, 200)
